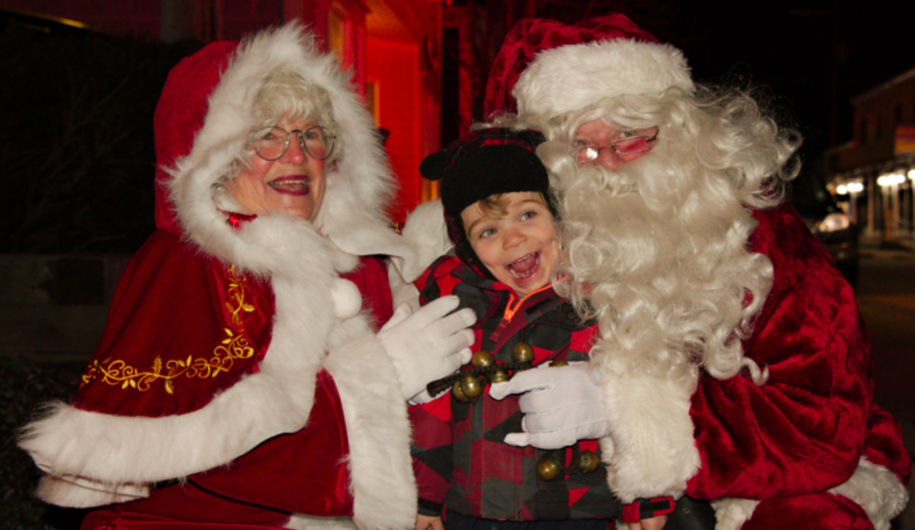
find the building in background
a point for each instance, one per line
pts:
(874, 173)
(392, 48)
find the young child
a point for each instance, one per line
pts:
(498, 209)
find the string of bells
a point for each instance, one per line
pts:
(468, 384)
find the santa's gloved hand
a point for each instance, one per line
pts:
(561, 405)
(428, 343)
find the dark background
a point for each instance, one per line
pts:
(76, 156)
(807, 59)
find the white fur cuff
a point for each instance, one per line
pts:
(383, 487)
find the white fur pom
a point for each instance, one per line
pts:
(346, 297)
(426, 238)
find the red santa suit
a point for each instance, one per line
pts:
(239, 381)
(805, 448)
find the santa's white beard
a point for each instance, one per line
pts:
(658, 250)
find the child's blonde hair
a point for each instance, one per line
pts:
(497, 204)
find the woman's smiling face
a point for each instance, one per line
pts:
(293, 184)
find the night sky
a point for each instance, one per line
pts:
(813, 56)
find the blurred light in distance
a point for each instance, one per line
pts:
(833, 223)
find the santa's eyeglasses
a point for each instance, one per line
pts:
(626, 144)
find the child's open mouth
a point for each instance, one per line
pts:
(525, 267)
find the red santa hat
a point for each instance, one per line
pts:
(548, 68)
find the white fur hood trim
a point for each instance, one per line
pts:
(572, 77)
(358, 186)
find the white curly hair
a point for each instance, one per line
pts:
(657, 250)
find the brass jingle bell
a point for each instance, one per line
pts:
(523, 353)
(471, 386)
(588, 461)
(498, 376)
(548, 468)
(559, 362)
(458, 392)
(482, 359)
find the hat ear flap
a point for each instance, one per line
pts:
(433, 166)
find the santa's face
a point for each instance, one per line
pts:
(292, 184)
(596, 142)
(518, 246)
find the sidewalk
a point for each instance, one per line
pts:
(902, 246)
(876, 241)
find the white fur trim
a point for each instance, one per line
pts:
(572, 77)
(358, 185)
(383, 486)
(76, 492)
(877, 490)
(402, 292)
(425, 236)
(313, 522)
(730, 513)
(653, 451)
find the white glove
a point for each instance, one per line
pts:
(427, 344)
(561, 405)
(425, 397)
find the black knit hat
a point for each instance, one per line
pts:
(483, 163)
(486, 162)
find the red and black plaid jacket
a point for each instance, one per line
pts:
(458, 454)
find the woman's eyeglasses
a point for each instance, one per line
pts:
(270, 143)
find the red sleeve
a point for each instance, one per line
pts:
(301, 472)
(182, 327)
(805, 429)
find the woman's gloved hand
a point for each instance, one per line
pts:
(561, 405)
(428, 343)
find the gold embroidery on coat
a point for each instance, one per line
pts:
(235, 345)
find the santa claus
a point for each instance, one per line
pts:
(732, 364)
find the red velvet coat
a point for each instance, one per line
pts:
(809, 448)
(139, 371)
(239, 380)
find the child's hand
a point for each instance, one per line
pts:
(655, 523)
(428, 522)
(561, 405)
